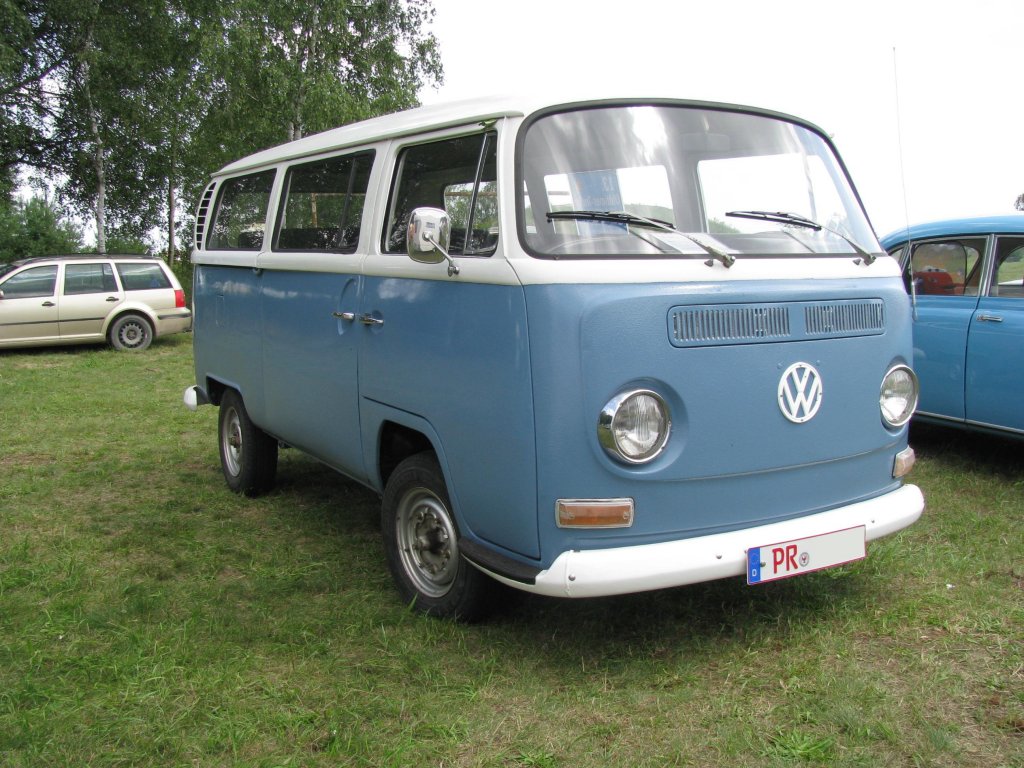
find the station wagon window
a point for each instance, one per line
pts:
(142, 277)
(1009, 277)
(322, 206)
(36, 282)
(241, 213)
(88, 278)
(458, 175)
(946, 267)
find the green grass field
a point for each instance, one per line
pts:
(150, 617)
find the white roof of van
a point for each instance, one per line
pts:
(411, 121)
(431, 118)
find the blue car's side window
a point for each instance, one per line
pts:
(1008, 281)
(948, 267)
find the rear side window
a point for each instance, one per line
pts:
(1008, 282)
(457, 175)
(88, 278)
(142, 277)
(322, 205)
(241, 213)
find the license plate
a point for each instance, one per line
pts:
(813, 553)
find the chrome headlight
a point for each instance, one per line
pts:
(634, 426)
(898, 397)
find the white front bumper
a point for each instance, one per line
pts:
(600, 572)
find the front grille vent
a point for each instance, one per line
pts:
(731, 324)
(844, 318)
(707, 325)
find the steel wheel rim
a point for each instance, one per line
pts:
(427, 542)
(132, 334)
(231, 442)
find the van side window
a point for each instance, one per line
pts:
(241, 213)
(457, 175)
(322, 206)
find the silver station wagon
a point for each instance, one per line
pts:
(124, 300)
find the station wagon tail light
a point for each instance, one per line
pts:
(898, 396)
(594, 513)
(179, 298)
(634, 426)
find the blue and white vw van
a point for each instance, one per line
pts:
(582, 348)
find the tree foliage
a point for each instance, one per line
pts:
(1019, 204)
(35, 227)
(129, 105)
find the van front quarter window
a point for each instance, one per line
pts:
(457, 175)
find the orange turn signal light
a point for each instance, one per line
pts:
(594, 513)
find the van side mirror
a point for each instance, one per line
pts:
(428, 237)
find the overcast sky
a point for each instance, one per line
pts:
(955, 70)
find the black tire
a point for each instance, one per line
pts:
(248, 455)
(421, 542)
(130, 333)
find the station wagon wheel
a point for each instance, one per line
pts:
(130, 333)
(422, 545)
(248, 455)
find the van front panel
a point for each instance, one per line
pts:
(733, 459)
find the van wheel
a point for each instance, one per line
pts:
(248, 455)
(130, 333)
(421, 542)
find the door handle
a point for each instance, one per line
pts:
(989, 319)
(49, 304)
(365, 319)
(112, 298)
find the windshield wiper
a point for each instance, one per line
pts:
(622, 217)
(796, 220)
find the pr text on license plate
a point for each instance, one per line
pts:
(792, 558)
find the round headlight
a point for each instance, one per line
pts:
(634, 426)
(898, 396)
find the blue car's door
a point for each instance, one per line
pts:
(995, 352)
(946, 276)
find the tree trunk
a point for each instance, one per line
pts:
(171, 234)
(100, 206)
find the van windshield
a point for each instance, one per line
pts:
(587, 177)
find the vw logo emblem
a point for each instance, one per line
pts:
(800, 392)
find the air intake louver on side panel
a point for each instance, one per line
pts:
(201, 214)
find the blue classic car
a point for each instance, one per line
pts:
(966, 281)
